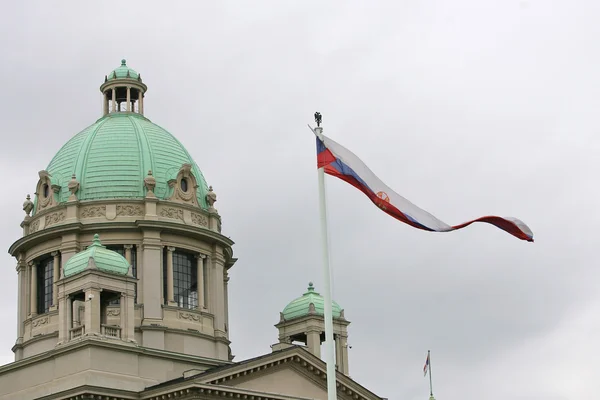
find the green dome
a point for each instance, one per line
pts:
(104, 259)
(111, 158)
(122, 72)
(300, 307)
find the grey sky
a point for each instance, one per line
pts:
(467, 108)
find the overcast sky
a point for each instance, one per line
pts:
(465, 107)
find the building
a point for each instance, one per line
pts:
(123, 274)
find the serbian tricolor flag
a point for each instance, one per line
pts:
(426, 367)
(343, 164)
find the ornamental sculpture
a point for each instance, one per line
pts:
(28, 205)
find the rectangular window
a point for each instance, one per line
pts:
(45, 280)
(185, 279)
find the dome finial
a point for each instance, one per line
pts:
(311, 287)
(123, 62)
(96, 240)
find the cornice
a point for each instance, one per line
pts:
(120, 346)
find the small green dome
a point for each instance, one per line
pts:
(300, 307)
(111, 158)
(103, 259)
(123, 72)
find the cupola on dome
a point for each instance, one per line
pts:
(301, 306)
(97, 256)
(123, 72)
(122, 155)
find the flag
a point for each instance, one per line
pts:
(343, 164)
(426, 367)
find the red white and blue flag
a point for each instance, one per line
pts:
(343, 164)
(426, 367)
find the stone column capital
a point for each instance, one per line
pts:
(128, 246)
(170, 249)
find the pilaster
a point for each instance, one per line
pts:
(92, 311)
(55, 278)
(33, 289)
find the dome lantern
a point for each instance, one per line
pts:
(123, 90)
(303, 321)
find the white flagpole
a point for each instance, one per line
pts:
(329, 345)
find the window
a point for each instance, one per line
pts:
(121, 250)
(45, 278)
(184, 185)
(185, 279)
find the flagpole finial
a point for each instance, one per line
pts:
(318, 118)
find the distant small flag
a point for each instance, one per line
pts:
(426, 367)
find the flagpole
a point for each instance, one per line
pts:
(430, 384)
(329, 345)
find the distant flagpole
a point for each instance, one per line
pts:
(329, 345)
(428, 369)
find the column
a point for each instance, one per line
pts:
(218, 296)
(105, 101)
(140, 276)
(33, 289)
(170, 298)
(313, 342)
(114, 99)
(209, 304)
(22, 310)
(68, 317)
(200, 281)
(341, 353)
(338, 353)
(123, 309)
(141, 102)
(55, 278)
(226, 300)
(128, 248)
(128, 98)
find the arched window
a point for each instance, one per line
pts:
(45, 276)
(185, 279)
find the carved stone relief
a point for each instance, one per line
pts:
(130, 210)
(171, 212)
(40, 322)
(199, 219)
(113, 312)
(190, 316)
(34, 226)
(55, 218)
(93, 211)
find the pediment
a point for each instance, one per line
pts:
(291, 372)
